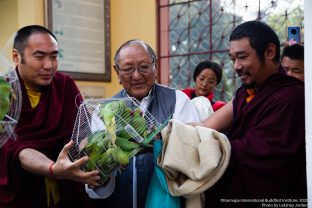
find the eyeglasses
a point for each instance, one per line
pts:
(143, 68)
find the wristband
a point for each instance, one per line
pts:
(51, 170)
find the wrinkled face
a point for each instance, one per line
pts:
(246, 63)
(139, 83)
(39, 63)
(293, 67)
(205, 82)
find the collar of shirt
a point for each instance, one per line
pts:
(33, 96)
(145, 101)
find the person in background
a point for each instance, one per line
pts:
(136, 68)
(35, 169)
(268, 158)
(207, 75)
(293, 60)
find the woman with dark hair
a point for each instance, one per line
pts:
(207, 75)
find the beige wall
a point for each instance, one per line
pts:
(130, 19)
(30, 12)
(18, 13)
(8, 20)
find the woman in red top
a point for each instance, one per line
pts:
(207, 75)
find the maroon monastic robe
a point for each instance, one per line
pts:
(46, 128)
(268, 146)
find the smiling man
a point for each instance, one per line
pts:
(136, 68)
(35, 169)
(264, 123)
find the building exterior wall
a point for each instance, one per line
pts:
(135, 19)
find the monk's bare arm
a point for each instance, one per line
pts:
(34, 161)
(39, 164)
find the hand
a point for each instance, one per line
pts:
(64, 168)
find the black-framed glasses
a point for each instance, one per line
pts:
(143, 68)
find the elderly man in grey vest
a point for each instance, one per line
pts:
(135, 65)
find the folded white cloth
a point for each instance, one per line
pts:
(193, 159)
(203, 107)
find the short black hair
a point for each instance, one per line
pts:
(260, 35)
(136, 41)
(211, 65)
(295, 51)
(23, 34)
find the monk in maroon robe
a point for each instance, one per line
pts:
(265, 125)
(268, 146)
(42, 131)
